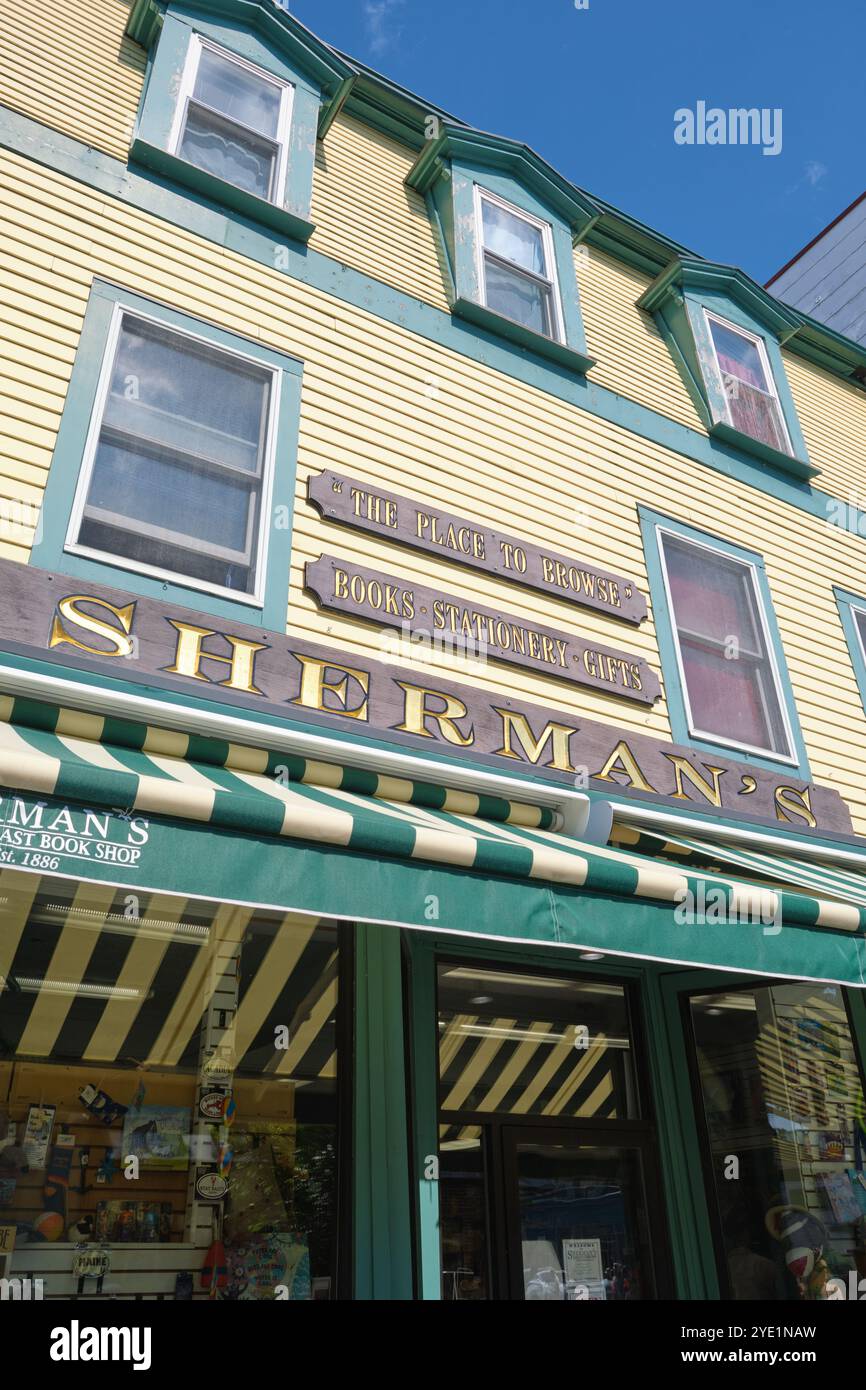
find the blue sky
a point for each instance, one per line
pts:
(595, 91)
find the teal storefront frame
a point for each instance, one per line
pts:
(687, 1213)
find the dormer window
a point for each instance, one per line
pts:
(235, 100)
(233, 120)
(752, 400)
(508, 225)
(518, 265)
(726, 336)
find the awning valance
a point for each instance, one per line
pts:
(225, 831)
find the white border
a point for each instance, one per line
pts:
(479, 193)
(284, 121)
(790, 759)
(71, 544)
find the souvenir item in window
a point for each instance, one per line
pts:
(804, 1239)
(121, 1222)
(840, 1195)
(831, 1146)
(37, 1134)
(858, 1187)
(158, 1136)
(7, 1191)
(90, 1262)
(106, 1170)
(52, 1222)
(272, 1266)
(100, 1105)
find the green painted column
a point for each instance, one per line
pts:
(691, 1239)
(382, 1226)
(425, 1125)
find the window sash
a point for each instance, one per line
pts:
(547, 283)
(257, 484)
(187, 99)
(766, 683)
(545, 286)
(271, 148)
(769, 389)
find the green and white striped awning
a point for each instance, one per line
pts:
(240, 824)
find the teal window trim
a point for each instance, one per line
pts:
(452, 172)
(50, 550)
(680, 299)
(164, 95)
(849, 604)
(651, 524)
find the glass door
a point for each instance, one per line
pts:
(546, 1138)
(577, 1218)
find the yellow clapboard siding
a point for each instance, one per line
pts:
(832, 415)
(365, 215)
(632, 356)
(480, 444)
(72, 69)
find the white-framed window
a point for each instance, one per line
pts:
(177, 473)
(729, 675)
(233, 120)
(747, 378)
(859, 616)
(517, 265)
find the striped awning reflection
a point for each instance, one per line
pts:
(103, 975)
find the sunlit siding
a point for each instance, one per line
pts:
(832, 416)
(400, 411)
(365, 215)
(69, 66)
(633, 359)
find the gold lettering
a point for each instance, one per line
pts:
(189, 656)
(622, 759)
(684, 769)
(416, 714)
(798, 802)
(314, 685)
(518, 726)
(67, 608)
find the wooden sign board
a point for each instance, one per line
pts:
(382, 513)
(156, 645)
(471, 631)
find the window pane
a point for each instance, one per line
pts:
(518, 297)
(243, 96)
(148, 1016)
(583, 1223)
(781, 1092)
(731, 698)
(729, 677)
(711, 596)
(179, 464)
(756, 414)
(738, 355)
(168, 496)
(463, 1214)
(227, 152)
(513, 238)
(531, 1045)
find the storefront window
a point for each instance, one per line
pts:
(546, 1159)
(784, 1115)
(534, 1045)
(168, 1094)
